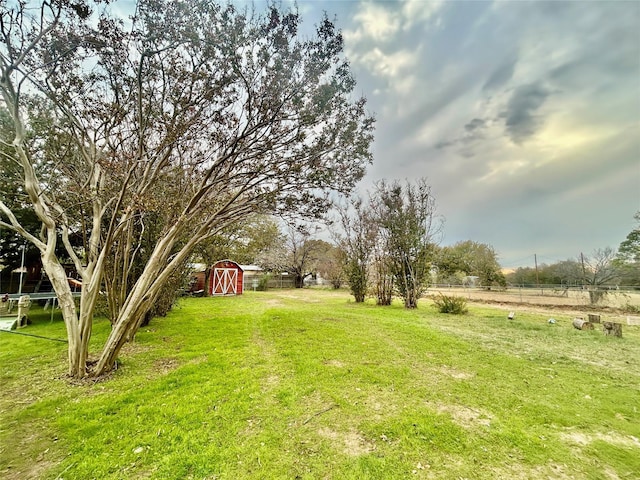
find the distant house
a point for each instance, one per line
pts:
(252, 276)
(471, 281)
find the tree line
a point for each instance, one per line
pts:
(604, 267)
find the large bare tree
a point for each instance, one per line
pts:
(189, 116)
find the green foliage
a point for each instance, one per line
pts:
(628, 258)
(242, 243)
(567, 272)
(470, 258)
(357, 240)
(169, 294)
(263, 282)
(450, 304)
(629, 250)
(358, 277)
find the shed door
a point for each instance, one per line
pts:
(225, 281)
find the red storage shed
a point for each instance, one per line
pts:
(226, 278)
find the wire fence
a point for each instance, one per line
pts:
(626, 297)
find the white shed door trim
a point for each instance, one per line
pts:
(225, 281)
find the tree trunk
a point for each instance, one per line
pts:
(612, 328)
(593, 318)
(141, 297)
(582, 324)
(58, 278)
(130, 316)
(207, 279)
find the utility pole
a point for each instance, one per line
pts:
(584, 272)
(535, 259)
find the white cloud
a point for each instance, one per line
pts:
(420, 11)
(374, 22)
(390, 65)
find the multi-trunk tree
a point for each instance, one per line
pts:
(188, 117)
(356, 237)
(408, 229)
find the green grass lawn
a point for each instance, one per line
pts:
(307, 384)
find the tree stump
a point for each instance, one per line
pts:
(582, 324)
(593, 318)
(612, 328)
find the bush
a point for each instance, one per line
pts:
(263, 283)
(450, 304)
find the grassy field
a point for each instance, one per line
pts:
(308, 385)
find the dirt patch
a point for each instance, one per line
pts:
(35, 471)
(334, 363)
(454, 373)
(133, 348)
(350, 443)
(165, 365)
(465, 416)
(581, 438)
(551, 471)
(272, 302)
(270, 383)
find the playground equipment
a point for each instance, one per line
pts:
(11, 321)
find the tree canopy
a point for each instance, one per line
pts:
(469, 258)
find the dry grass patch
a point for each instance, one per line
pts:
(465, 416)
(334, 363)
(614, 438)
(455, 373)
(165, 365)
(351, 443)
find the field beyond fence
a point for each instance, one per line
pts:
(626, 300)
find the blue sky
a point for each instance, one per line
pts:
(524, 116)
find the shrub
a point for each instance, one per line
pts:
(450, 304)
(263, 283)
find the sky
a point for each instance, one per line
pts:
(523, 116)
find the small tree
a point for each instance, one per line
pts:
(382, 274)
(599, 267)
(331, 266)
(295, 253)
(408, 225)
(357, 238)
